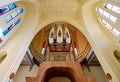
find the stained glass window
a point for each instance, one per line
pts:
(13, 15)
(113, 18)
(12, 6)
(110, 27)
(116, 32)
(7, 8)
(107, 15)
(11, 26)
(5, 31)
(17, 21)
(107, 25)
(8, 18)
(100, 10)
(113, 8)
(4, 10)
(103, 21)
(20, 11)
(109, 6)
(116, 9)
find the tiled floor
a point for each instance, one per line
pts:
(96, 71)
(23, 71)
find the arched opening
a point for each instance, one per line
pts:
(117, 55)
(78, 43)
(3, 55)
(106, 43)
(57, 72)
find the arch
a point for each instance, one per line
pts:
(73, 23)
(57, 72)
(103, 44)
(80, 40)
(22, 37)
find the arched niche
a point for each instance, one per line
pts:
(3, 55)
(117, 55)
(42, 35)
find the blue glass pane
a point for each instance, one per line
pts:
(11, 26)
(17, 21)
(4, 10)
(14, 14)
(5, 32)
(20, 11)
(8, 18)
(12, 6)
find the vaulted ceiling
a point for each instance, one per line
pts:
(66, 8)
(60, 7)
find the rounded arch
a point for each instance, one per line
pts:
(102, 43)
(73, 23)
(43, 31)
(21, 37)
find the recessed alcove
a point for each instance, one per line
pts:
(117, 55)
(55, 32)
(3, 55)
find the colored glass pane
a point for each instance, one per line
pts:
(4, 10)
(11, 26)
(17, 21)
(5, 31)
(20, 11)
(12, 6)
(14, 14)
(8, 18)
